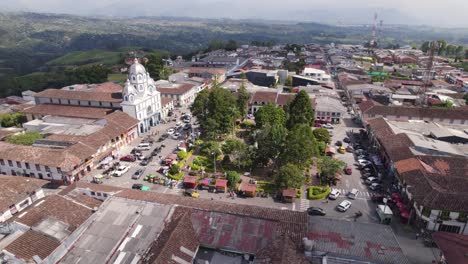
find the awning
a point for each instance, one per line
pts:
(206, 181)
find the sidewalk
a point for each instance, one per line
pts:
(413, 248)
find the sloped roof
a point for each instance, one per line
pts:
(15, 189)
(32, 243)
(453, 246)
(80, 95)
(67, 111)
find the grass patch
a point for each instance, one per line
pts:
(266, 187)
(87, 57)
(318, 192)
(117, 77)
(26, 138)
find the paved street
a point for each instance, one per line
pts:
(363, 201)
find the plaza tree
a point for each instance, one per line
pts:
(300, 111)
(270, 115)
(329, 168)
(289, 176)
(300, 146)
(242, 101)
(270, 142)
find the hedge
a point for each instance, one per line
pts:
(177, 176)
(318, 192)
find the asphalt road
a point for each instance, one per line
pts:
(362, 202)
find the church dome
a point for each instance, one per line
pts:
(136, 68)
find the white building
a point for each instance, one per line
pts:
(141, 100)
(316, 74)
(329, 109)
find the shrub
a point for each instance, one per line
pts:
(299, 193)
(177, 176)
(182, 155)
(247, 125)
(233, 177)
(318, 192)
(174, 169)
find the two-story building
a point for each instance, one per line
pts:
(329, 109)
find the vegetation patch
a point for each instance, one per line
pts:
(318, 192)
(27, 138)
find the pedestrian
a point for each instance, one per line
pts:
(417, 236)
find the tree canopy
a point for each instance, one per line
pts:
(236, 152)
(270, 142)
(270, 115)
(300, 110)
(27, 138)
(329, 167)
(233, 178)
(290, 176)
(10, 120)
(300, 146)
(242, 101)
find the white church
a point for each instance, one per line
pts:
(141, 100)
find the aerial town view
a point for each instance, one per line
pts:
(219, 132)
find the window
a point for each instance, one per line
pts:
(47, 168)
(40, 175)
(462, 217)
(426, 212)
(93, 193)
(10, 163)
(27, 165)
(38, 167)
(59, 170)
(104, 194)
(89, 103)
(2, 162)
(18, 164)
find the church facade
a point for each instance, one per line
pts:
(141, 100)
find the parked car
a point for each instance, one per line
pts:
(187, 126)
(353, 193)
(121, 170)
(347, 140)
(343, 206)
(178, 124)
(349, 149)
(371, 180)
(334, 194)
(186, 120)
(318, 125)
(375, 186)
(192, 193)
(137, 186)
(137, 174)
(348, 170)
(341, 150)
(328, 126)
(176, 135)
(339, 143)
(144, 146)
(146, 161)
(363, 162)
(129, 158)
(316, 211)
(171, 131)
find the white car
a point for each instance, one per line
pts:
(121, 170)
(363, 162)
(328, 126)
(375, 186)
(178, 124)
(334, 194)
(176, 135)
(371, 180)
(170, 131)
(344, 206)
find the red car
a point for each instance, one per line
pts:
(348, 170)
(130, 158)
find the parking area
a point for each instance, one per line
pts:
(362, 202)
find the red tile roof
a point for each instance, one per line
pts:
(165, 101)
(453, 246)
(221, 183)
(67, 111)
(176, 89)
(190, 179)
(16, 188)
(289, 193)
(32, 243)
(58, 207)
(80, 95)
(108, 87)
(248, 187)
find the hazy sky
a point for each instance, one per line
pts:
(430, 12)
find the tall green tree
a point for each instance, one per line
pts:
(10, 120)
(233, 178)
(236, 152)
(270, 142)
(300, 146)
(270, 115)
(198, 108)
(243, 98)
(290, 176)
(300, 110)
(329, 167)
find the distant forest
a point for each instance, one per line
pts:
(38, 50)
